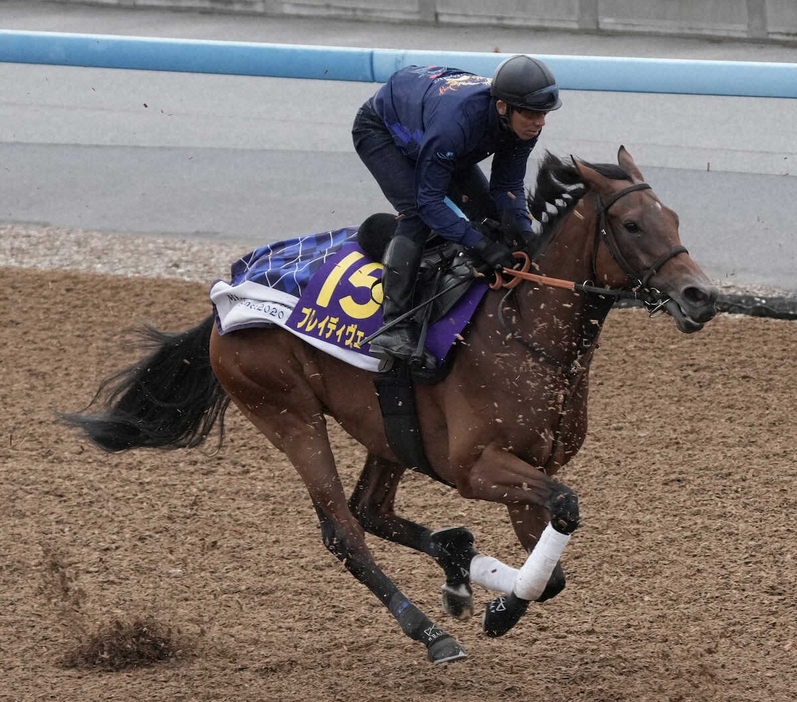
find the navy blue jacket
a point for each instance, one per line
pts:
(444, 119)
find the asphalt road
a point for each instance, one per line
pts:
(252, 160)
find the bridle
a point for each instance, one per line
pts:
(639, 288)
(600, 298)
(607, 233)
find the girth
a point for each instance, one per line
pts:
(400, 414)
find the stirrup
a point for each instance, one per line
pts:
(423, 362)
(388, 358)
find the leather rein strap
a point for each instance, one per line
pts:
(604, 230)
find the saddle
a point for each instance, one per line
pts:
(444, 277)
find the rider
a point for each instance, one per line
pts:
(422, 136)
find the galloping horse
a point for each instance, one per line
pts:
(511, 411)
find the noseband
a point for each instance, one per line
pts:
(605, 231)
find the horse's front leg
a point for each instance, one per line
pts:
(544, 513)
(373, 504)
(529, 524)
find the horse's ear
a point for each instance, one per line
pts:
(627, 163)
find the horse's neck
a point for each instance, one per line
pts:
(555, 316)
(569, 255)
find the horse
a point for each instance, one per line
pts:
(509, 413)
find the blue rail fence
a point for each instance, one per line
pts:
(641, 75)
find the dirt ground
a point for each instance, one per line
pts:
(681, 584)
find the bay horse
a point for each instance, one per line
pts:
(510, 412)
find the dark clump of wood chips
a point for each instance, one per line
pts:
(122, 645)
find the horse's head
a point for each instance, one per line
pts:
(639, 246)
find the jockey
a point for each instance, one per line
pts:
(422, 136)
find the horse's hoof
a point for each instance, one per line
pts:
(458, 601)
(502, 614)
(446, 650)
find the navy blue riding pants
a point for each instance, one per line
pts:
(395, 173)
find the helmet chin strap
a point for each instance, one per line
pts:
(503, 119)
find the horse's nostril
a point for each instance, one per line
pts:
(700, 296)
(699, 302)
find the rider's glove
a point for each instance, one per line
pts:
(495, 254)
(491, 229)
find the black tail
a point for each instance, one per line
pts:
(170, 399)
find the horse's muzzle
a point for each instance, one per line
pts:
(692, 307)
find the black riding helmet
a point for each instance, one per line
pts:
(526, 83)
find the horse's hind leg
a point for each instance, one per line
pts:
(307, 446)
(285, 409)
(372, 502)
(347, 543)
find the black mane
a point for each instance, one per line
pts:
(559, 188)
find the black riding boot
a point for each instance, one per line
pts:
(402, 260)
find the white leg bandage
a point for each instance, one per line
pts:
(536, 571)
(491, 573)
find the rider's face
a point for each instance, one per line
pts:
(526, 124)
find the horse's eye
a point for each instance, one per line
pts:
(631, 226)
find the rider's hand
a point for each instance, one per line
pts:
(491, 229)
(496, 255)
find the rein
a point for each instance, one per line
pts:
(604, 230)
(523, 274)
(650, 297)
